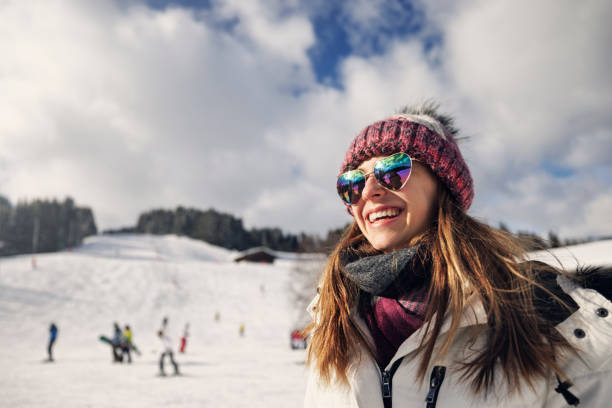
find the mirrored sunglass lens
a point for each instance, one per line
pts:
(350, 185)
(393, 171)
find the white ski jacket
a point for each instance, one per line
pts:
(167, 343)
(589, 329)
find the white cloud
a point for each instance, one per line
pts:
(292, 207)
(538, 96)
(571, 206)
(533, 70)
(127, 108)
(273, 25)
(597, 217)
(588, 149)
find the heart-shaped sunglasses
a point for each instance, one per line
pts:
(391, 172)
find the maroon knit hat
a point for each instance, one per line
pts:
(424, 139)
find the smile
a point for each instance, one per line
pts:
(383, 214)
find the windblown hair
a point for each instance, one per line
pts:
(467, 258)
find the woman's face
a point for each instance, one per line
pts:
(390, 219)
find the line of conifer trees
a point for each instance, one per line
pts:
(43, 226)
(227, 231)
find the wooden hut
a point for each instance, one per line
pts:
(258, 254)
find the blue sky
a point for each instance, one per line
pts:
(333, 44)
(332, 28)
(248, 107)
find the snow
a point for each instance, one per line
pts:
(598, 253)
(137, 280)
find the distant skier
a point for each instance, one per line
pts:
(167, 351)
(164, 325)
(116, 343)
(52, 338)
(241, 330)
(184, 338)
(297, 340)
(126, 344)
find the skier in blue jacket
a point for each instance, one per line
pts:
(52, 337)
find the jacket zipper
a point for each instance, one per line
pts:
(386, 388)
(387, 377)
(437, 376)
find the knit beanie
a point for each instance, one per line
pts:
(424, 139)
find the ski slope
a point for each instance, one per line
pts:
(137, 280)
(598, 253)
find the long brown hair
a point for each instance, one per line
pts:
(467, 258)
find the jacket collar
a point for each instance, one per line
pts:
(473, 315)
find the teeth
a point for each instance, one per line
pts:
(385, 213)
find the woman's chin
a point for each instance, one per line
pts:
(387, 244)
(390, 242)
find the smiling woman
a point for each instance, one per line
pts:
(417, 289)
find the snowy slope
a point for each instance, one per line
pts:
(597, 253)
(136, 280)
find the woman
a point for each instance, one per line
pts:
(422, 305)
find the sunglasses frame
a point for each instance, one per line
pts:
(367, 175)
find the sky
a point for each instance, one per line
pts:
(249, 106)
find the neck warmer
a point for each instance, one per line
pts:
(394, 304)
(387, 275)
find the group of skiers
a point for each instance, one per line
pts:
(122, 344)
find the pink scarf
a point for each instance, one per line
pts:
(391, 321)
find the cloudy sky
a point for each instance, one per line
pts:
(248, 106)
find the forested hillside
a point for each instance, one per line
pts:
(225, 230)
(43, 225)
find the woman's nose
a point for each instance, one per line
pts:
(371, 188)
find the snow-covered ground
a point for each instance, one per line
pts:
(137, 280)
(598, 253)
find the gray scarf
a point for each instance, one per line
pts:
(385, 275)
